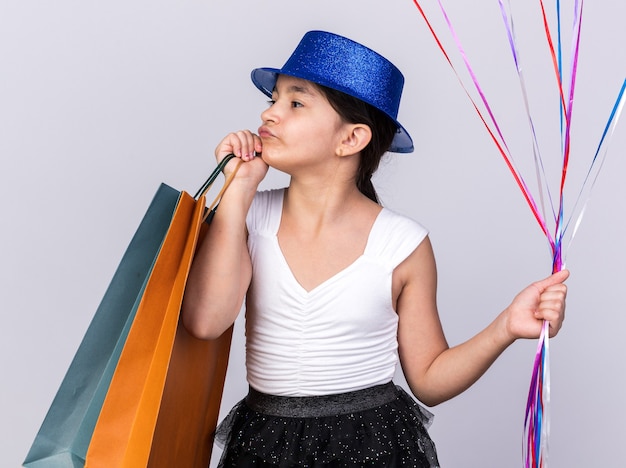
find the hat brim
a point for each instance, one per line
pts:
(265, 80)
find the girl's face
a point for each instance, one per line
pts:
(300, 128)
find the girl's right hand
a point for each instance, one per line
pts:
(245, 145)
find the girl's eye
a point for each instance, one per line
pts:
(294, 104)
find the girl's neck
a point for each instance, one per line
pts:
(326, 193)
(319, 204)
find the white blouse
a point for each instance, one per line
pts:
(339, 337)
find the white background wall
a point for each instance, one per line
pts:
(102, 101)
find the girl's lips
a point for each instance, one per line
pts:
(264, 132)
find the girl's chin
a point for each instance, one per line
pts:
(275, 163)
(269, 156)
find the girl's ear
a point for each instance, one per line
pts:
(356, 138)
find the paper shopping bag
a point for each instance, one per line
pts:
(161, 407)
(191, 400)
(65, 433)
(130, 410)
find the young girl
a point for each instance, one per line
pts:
(338, 289)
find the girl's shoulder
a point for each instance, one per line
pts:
(268, 198)
(395, 236)
(265, 211)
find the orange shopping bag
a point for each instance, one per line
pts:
(162, 405)
(191, 401)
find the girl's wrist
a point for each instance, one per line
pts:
(503, 335)
(243, 188)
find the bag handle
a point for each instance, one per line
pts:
(216, 172)
(209, 182)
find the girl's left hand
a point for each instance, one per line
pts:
(542, 300)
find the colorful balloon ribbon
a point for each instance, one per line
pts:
(537, 421)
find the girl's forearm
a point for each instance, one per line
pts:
(458, 368)
(220, 273)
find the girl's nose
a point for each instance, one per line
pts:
(270, 114)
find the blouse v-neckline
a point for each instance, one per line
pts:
(335, 276)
